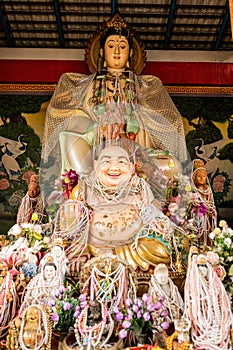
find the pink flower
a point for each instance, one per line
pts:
(119, 316)
(161, 298)
(128, 302)
(126, 324)
(55, 317)
(122, 334)
(151, 307)
(61, 289)
(116, 309)
(145, 297)
(51, 302)
(130, 313)
(158, 305)
(165, 325)
(220, 271)
(164, 313)
(82, 297)
(146, 316)
(4, 184)
(76, 314)
(83, 304)
(67, 306)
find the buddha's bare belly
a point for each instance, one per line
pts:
(114, 228)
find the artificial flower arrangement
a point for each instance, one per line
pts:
(180, 202)
(66, 308)
(140, 315)
(222, 240)
(69, 181)
(63, 187)
(33, 232)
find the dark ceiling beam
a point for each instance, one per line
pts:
(169, 23)
(113, 7)
(59, 23)
(225, 20)
(5, 26)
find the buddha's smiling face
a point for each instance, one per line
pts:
(116, 52)
(113, 167)
(32, 315)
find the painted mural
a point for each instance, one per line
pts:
(208, 121)
(21, 129)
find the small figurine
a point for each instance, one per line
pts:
(162, 285)
(33, 330)
(32, 202)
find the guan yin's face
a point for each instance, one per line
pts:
(116, 52)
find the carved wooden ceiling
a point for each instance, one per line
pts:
(161, 24)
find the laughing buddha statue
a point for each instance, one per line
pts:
(123, 217)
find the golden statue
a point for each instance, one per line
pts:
(33, 330)
(111, 104)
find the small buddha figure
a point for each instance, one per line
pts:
(32, 202)
(124, 220)
(207, 306)
(30, 331)
(41, 287)
(162, 285)
(57, 253)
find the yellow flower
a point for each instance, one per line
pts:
(217, 230)
(67, 180)
(222, 223)
(34, 217)
(188, 188)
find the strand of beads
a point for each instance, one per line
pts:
(7, 309)
(93, 334)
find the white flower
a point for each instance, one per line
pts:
(181, 213)
(222, 223)
(15, 230)
(47, 240)
(230, 231)
(37, 246)
(217, 230)
(227, 241)
(27, 225)
(173, 208)
(230, 258)
(212, 257)
(37, 228)
(212, 235)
